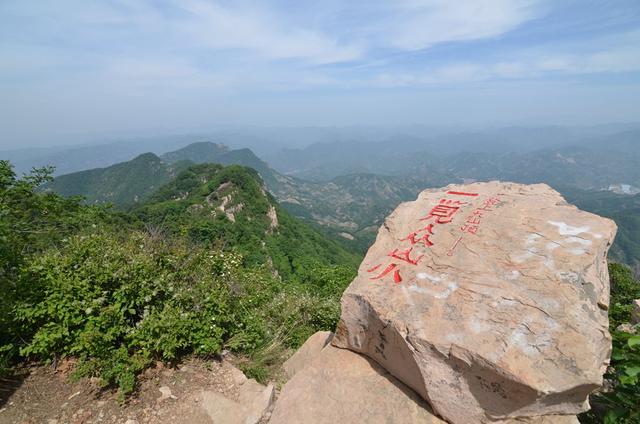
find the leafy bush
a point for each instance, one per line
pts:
(89, 283)
(118, 302)
(29, 223)
(624, 289)
(622, 404)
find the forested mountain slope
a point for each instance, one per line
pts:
(122, 184)
(230, 207)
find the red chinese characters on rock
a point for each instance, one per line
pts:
(444, 211)
(421, 235)
(472, 223)
(441, 214)
(396, 275)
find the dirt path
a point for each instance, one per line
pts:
(39, 394)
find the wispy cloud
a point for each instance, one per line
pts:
(420, 24)
(260, 31)
(188, 57)
(268, 30)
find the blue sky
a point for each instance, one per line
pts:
(79, 68)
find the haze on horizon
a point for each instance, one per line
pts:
(76, 68)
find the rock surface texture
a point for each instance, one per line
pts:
(339, 386)
(307, 352)
(489, 300)
(252, 403)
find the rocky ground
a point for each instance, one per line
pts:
(188, 393)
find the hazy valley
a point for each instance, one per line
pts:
(363, 182)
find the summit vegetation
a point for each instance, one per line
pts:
(209, 262)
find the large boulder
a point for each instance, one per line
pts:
(489, 300)
(635, 313)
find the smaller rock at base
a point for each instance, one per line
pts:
(627, 328)
(257, 399)
(343, 386)
(338, 385)
(254, 401)
(166, 393)
(237, 376)
(635, 314)
(221, 409)
(307, 352)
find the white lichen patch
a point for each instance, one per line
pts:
(530, 249)
(455, 338)
(578, 240)
(565, 229)
(577, 251)
(439, 286)
(552, 245)
(479, 326)
(512, 275)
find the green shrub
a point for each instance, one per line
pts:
(118, 302)
(83, 282)
(622, 404)
(624, 289)
(30, 222)
(101, 296)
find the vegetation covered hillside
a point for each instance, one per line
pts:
(210, 263)
(207, 152)
(200, 152)
(349, 208)
(122, 184)
(229, 206)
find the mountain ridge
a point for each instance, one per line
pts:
(122, 184)
(229, 205)
(350, 207)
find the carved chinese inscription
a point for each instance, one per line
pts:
(443, 213)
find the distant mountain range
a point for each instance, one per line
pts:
(305, 149)
(68, 159)
(594, 163)
(351, 207)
